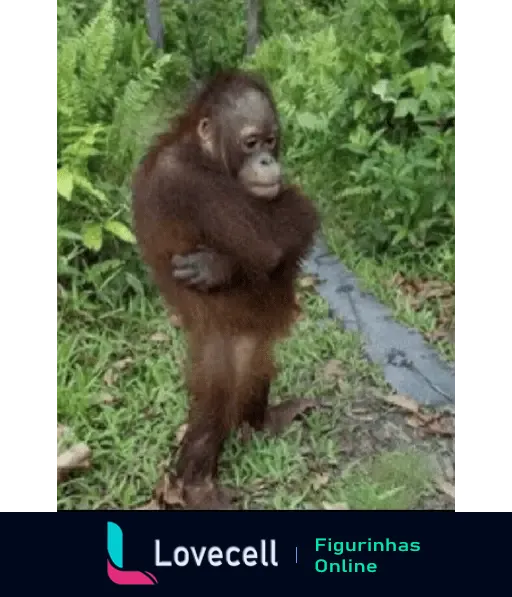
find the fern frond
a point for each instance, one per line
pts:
(96, 48)
(69, 94)
(135, 114)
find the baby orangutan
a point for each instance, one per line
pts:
(223, 237)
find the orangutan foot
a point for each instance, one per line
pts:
(171, 493)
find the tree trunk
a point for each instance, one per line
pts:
(154, 22)
(252, 14)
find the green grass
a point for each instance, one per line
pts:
(121, 390)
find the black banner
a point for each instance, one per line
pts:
(240, 552)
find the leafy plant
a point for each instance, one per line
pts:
(108, 77)
(368, 102)
(366, 90)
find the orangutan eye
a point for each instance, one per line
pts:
(271, 142)
(250, 143)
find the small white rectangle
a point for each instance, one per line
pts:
(472, 493)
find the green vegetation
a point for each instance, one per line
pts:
(366, 93)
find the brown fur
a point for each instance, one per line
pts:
(183, 198)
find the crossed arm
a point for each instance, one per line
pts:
(221, 212)
(208, 269)
(204, 269)
(235, 233)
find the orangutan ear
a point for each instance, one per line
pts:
(204, 130)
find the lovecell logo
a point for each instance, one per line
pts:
(115, 561)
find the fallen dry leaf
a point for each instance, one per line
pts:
(364, 418)
(167, 493)
(402, 401)
(435, 289)
(76, 454)
(298, 313)
(395, 281)
(149, 413)
(307, 282)
(441, 427)
(123, 363)
(151, 505)
(358, 411)
(333, 369)
(435, 335)
(62, 430)
(110, 377)
(180, 434)
(62, 474)
(65, 438)
(320, 481)
(77, 457)
(360, 414)
(159, 337)
(445, 487)
(439, 294)
(340, 506)
(282, 415)
(438, 424)
(414, 422)
(112, 374)
(420, 419)
(106, 398)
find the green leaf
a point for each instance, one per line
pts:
(433, 100)
(65, 183)
(419, 78)
(399, 236)
(406, 105)
(135, 283)
(381, 88)
(104, 267)
(375, 137)
(310, 121)
(69, 234)
(357, 191)
(376, 57)
(429, 130)
(413, 239)
(92, 236)
(389, 215)
(87, 186)
(359, 106)
(120, 230)
(439, 201)
(449, 32)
